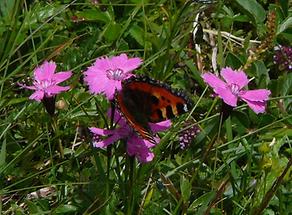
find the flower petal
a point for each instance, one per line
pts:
(131, 64)
(227, 96)
(213, 81)
(108, 141)
(255, 95)
(102, 64)
(140, 148)
(55, 89)
(124, 63)
(97, 80)
(234, 77)
(101, 132)
(117, 61)
(256, 106)
(106, 75)
(118, 118)
(27, 87)
(37, 95)
(111, 87)
(45, 71)
(62, 76)
(160, 126)
(221, 88)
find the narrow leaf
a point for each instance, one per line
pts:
(254, 8)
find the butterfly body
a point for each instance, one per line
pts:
(143, 100)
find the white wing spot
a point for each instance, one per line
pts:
(185, 108)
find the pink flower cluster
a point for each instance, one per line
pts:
(232, 89)
(136, 146)
(45, 81)
(105, 76)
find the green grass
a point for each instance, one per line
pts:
(241, 165)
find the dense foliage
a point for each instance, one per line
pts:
(239, 162)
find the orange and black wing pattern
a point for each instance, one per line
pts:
(143, 100)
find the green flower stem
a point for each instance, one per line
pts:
(108, 169)
(109, 153)
(130, 166)
(55, 128)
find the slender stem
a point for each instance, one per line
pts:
(126, 183)
(1, 204)
(130, 185)
(50, 147)
(109, 154)
(55, 128)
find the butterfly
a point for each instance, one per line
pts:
(142, 100)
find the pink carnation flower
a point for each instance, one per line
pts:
(231, 89)
(106, 74)
(45, 81)
(136, 146)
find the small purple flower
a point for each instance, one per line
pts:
(188, 134)
(106, 74)
(136, 146)
(283, 57)
(231, 89)
(45, 81)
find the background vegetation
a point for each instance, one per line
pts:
(237, 166)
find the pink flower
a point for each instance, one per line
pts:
(46, 81)
(106, 74)
(136, 146)
(231, 89)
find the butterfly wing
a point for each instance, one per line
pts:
(143, 100)
(132, 105)
(161, 100)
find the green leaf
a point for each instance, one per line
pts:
(94, 15)
(285, 25)
(185, 187)
(233, 60)
(41, 13)
(66, 209)
(228, 125)
(33, 208)
(15, 101)
(195, 73)
(202, 201)
(3, 153)
(138, 34)
(287, 35)
(240, 18)
(262, 74)
(254, 8)
(148, 197)
(112, 31)
(241, 121)
(6, 8)
(287, 85)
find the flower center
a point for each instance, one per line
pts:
(234, 89)
(44, 84)
(116, 74)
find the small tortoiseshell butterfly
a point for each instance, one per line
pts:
(142, 100)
